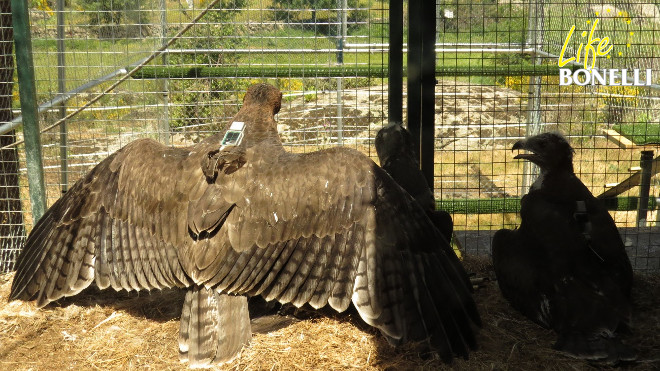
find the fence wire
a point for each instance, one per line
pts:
(299, 45)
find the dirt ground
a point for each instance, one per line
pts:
(119, 331)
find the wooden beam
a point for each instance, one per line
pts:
(618, 139)
(632, 181)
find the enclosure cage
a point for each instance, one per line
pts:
(107, 72)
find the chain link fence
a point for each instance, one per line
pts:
(330, 58)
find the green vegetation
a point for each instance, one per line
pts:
(196, 106)
(93, 55)
(373, 70)
(252, 24)
(323, 20)
(640, 133)
(116, 12)
(483, 22)
(512, 205)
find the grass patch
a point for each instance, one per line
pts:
(640, 133)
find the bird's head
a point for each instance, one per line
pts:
(393, 139)
(550, 151)
(260, 104)
(264, 95)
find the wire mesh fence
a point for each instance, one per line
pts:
(479, 117)
(11, 217)
(329, 58)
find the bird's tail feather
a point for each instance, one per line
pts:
(214, 327)
(601, 347)
(460, 310)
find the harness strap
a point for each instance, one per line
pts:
(582, 217)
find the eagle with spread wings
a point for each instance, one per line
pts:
(236, 216)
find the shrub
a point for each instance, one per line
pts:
(193, 100)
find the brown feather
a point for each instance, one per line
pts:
(302, 270)
(317, 265)
(214, 327)
(326, 227)
(323, 290)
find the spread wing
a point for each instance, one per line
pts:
(119, 225)
(331, 227)
(327, 227)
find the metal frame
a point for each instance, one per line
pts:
(420, 72)
(30, 114)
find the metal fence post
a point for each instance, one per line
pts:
(421, 83)
(646, 163)
(535, 40)
(342, 5)
(395, 61)
(28, 97)
(61, 90)
(414, 73)
(164, 123)
(427, 149)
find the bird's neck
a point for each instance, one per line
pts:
(261, 128)
(553, 178)
(263, 137)
(563, 170)
(401, 155)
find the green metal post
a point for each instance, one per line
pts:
(164, 122)
(535, 38)
(28, 96)
(646, 162)
(61, 89)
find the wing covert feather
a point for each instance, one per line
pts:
(388, 258)
(114, 223)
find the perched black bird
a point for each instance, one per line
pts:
(396, 152)
(566, 267)
(236, 216)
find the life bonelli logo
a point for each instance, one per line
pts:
(589, 50)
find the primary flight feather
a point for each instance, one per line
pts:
(246, 218)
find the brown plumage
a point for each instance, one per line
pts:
(326, 227)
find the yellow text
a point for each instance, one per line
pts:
(602, 48)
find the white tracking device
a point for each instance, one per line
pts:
(234, 134)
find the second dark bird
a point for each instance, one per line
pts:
(566, 267)
(396, 152)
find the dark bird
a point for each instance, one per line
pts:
(236, 216)
(396, 152)
(566, 267)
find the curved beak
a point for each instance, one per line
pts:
(518, 145)
(521, 144)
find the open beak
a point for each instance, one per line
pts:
(522, 156)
